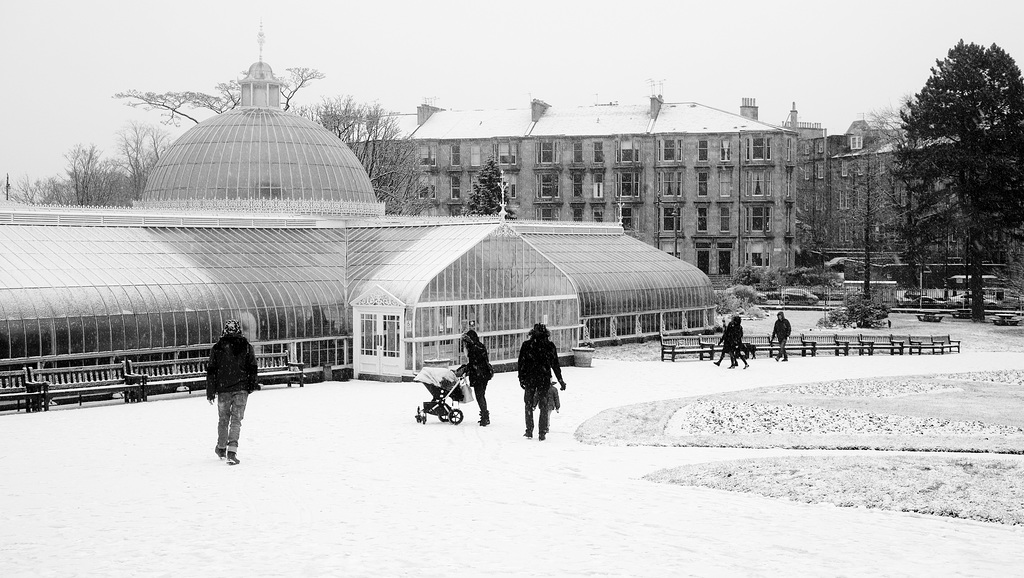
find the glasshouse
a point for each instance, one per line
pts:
(263, 216)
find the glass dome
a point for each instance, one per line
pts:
(259, 153)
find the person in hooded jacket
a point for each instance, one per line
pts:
(781, 331)
(538, 357)
(230, 378)
(480, 372)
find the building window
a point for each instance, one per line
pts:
(843, 168)
(789, 220)
(702, 219)
(507, 153)
(670, 183)
(474, 155)
(510, 185)
(789, 182)
(821, 145)
(547, 213)
(428, 156)
(789, 149)
(758, 256)
(725, 184)
(805, 147)
(456, 156)
(759, 183)
(577, 214)
(598, 152)
(724, 219)
(598, 185)
(759, 218)
(456, 181)
(669, 151)
(670, 218)
(428, 187)
(548, 185)
(629, 184)
(577, 151)
(725, 153)
(856, 142)
(577, 184)
(626, 215)
(702, 183)
(598, 214)
(702, 150)
(860, 168)
(759, 148)
(819, 170)
(629, 151)
(546, 152)
(844, 198)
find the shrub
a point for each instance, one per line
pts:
(864, 311)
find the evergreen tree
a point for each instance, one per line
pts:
(965, 136)
(487, 192)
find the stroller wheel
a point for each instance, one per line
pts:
(456, 417)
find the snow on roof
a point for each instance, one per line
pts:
(690, 117)
(473, 124)
(593, 120)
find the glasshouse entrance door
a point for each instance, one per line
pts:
(379, 339)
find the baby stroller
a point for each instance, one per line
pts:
(444, 385)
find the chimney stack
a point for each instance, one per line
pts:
(656, 102)
(748, 109)
(793, 124)
(424, 111)
(537, 109)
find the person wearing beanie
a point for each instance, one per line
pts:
(230, 378)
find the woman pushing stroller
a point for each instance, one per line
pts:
(479, 370)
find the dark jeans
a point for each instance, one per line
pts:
(782, 348)
(480, 391)
(534, 397)
(231, 410)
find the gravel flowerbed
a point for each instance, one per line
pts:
(721, 417)
(1008, 376)
(871, 387)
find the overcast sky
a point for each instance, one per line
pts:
(63, 61)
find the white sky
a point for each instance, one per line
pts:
(63, 60)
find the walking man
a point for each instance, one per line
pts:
(781, 332)
(230, 377)
(538, 357)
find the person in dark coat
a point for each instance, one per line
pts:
(781, 331)
(230, 378)
(732, 343)
(538, 357)
(480, 371)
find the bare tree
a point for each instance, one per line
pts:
(139, 147)
(175, 105)
(376, 138)
(39, 191)
(93, 180)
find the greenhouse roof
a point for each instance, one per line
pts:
(609, 270)
(403, 259)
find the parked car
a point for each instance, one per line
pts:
(797, 296)
(963, 301)
(922, 302)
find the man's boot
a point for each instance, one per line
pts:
(485, 418)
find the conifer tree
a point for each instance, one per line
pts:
(487, 192)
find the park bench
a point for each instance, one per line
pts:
(88, 381)
(812, 341)
(962, 314)
(13, 388)
(933, 343)
(873, 343)
(165, 376)
(678, 344)
(278, 365)
(929, 317)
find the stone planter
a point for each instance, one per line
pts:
(582, 356)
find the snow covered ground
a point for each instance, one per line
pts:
(338, 479)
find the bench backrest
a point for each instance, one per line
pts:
(12, 379)
(86, 374)
(941, 339)
(865, 338)
(757, 339)
(169, 367)
(829, 338)
(271, 360)
(903, 338)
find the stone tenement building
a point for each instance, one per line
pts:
(713, 188)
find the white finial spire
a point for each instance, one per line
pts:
(502, 214)
(260, 39)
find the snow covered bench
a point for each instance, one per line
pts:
(94, 382)
(13, 388)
